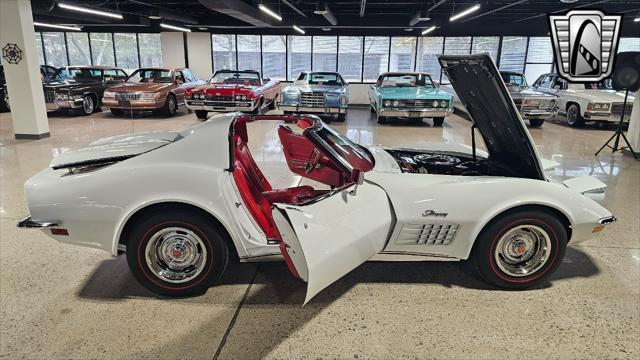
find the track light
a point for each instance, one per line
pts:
(426, 31)
(73, 28)
(465, 13)
(321, 8)
(89, 11)
(173, 27)
(269, 12)
(298, 29)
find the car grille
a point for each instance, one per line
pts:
(220, 98)
(128, 96)
(617, 108)
(418, 103)
(49, 95)
(312, 99)
(427, 234)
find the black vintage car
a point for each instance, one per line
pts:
(46, 74)
(80, 88)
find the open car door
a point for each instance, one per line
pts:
(330, 237)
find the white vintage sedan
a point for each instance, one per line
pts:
(180, 204)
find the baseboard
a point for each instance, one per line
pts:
(626, 151)
(32, 136)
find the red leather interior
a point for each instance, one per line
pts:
(294, 195)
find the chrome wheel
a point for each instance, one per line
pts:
(172, 105)
(176, 254)
(522, 250)
(87, 105)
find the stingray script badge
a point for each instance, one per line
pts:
(585, 43)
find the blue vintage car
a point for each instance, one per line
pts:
(324, 93)
(409, 95)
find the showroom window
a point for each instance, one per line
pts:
(350, 57)
(54, 48)
(325, 49)
(126, 51)
(39, 48)
(299, 55)
(427, 60)
(102, 49)
(376, 57)
(150, 50)
(460, 45)
(403, 54)
(539, 58)
(249, 52)
(629, 44)
(78, 48)
(486, 44)
(512, 56)
(274, 57)
(224, 52)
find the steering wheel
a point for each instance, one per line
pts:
(313, 162)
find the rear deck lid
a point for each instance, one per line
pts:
(114, 148)
(481, 89)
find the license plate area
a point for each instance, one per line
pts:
(414, 114)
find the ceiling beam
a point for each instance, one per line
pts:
(496, 10)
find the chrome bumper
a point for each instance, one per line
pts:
(216, 106)
(417, 113)
(598, 116)
(607, 220)
(64, 104)
(28, 222)
(315, 110)
(537, 114)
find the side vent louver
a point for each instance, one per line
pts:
(427, 234)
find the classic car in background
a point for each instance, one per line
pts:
(409, 95)
(230, 90)
(324, 93)
(443, 201)
(156, 89)
(580, 103)
(80, 88)
(46, 74)
(534, 106)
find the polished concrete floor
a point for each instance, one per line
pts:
(60, 301)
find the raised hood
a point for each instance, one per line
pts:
(412, 92)
(481, 89)
(114, 148)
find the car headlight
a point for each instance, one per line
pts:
(240, 97)
(147, 95)
(601, 106)
(546, 104)
(62, 97)
(109, 94)
(435, 103)
(395, 103)
(444, 103)
(387, 103)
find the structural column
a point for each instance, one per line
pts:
(172, 44)
(199, 51)
(634, 125)
(22, 70)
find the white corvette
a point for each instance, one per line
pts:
(179, 204)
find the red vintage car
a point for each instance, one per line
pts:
(230, 90)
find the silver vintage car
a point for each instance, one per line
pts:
(322, 93)
(585, 102)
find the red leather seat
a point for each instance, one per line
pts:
(294, 195)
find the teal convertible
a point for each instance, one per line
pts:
(409, 95)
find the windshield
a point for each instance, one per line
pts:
(602, 85)
(514, 79)
(151, 76)
(328, 79)
(349, 151)
(236, 77)
(79, 74)
(406, 80)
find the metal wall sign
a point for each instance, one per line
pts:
(585, 43)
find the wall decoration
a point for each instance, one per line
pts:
(11, 53)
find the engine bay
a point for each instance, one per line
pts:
(448, 163)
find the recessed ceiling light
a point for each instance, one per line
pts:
(424, 16)
(568, 1)
(155, 17)
(408, 29)
(321, 8)
(89, 11)
(326, 29)
(465, 13)
(203, 28)
(73, 28)
(269, 12)
(173, 27)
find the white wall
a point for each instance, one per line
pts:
(634, 125)
(199, 50)
(172, 49)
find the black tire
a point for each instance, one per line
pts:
(573, 116)
(536, 122)
(272, 104)
(88, 105)
(382, 120)
(170, 106)
(4, 105)
(438, 121)
(486, 247)
(159, 221)
(202, 114)
(288, 113)
(256, 111)
(341, 117)
(117, 112)
(372, 109)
